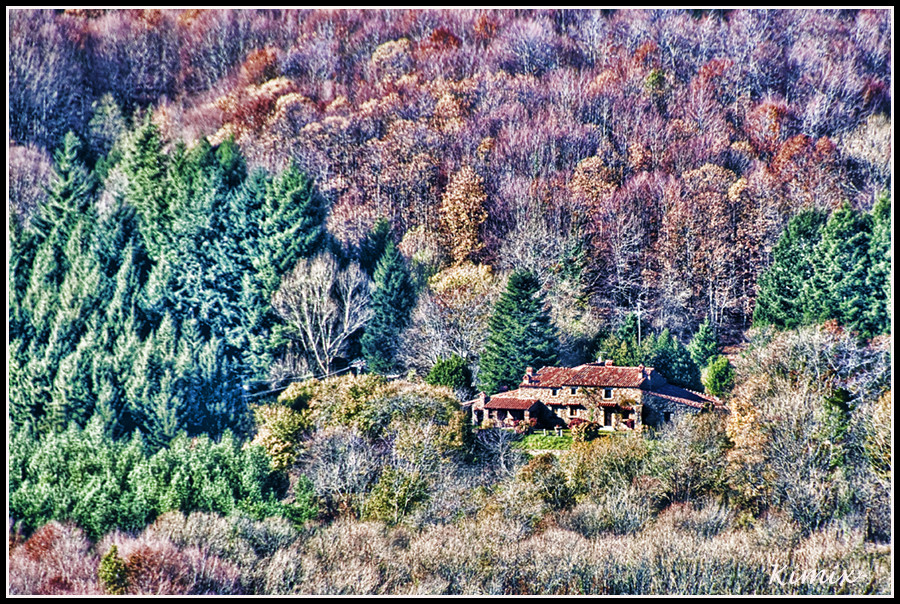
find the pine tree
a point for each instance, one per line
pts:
(73, 396)
(704, 346)
(69, 197)
(285, 224)
(521, 335)
(878, 318)
(630, 345)
(230, 164)
(392, 303)
(720, 376)
(672, 359)
(22, 249)
(113, 572)
(154, 389)
(372, 247)
(293, 224)
(841, 261)
(106, 127)
(782, 297)
(145, 167)
(63, 293)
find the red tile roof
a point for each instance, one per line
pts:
(590, 374)
(510, 402)
(684, 396)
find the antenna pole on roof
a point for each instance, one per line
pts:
(639, 322)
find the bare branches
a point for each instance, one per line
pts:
(324, 306)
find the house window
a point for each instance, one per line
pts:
(574, 390)
(555, 392)
(667, 416)
(607, 393)
(572, 412)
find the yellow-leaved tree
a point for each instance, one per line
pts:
(463, 213)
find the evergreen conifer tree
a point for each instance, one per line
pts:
(154, 389)
(672, 359)
(145, 167)
(782, 297)
(720, 376)
(293, 224)
(878, 319)
(841, 261)
(392, 303)
(521, 335)
(372, 247)
(704, 346)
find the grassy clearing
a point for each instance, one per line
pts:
(542, 441)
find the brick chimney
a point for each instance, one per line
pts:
(609, 363)
(643, 371)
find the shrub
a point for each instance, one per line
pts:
(56, 560)
(690, 457)
(605, 463)
(453, 373)
(279, 430)
(341, 465)
(395, 495)
(517, 505)
(113, 572)
(524, 427)
(302, 507)
(545, 474)
(622, 511)
(584, 431)
(154, 565)
(719, 376)
(369, 403)
(706, 518)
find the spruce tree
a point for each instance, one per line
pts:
(782, 297)
(62, 292)
(293, 223)
(520, 335)
(672, 359)
(878, 319)
(287, 225)
(69, 199)
(841, 261)
(154, 389)
(145, 167)
(704, 346)
(720, 376)
(372, 247)
(392, 303)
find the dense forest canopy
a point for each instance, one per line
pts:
(706, 130)
(215, 217)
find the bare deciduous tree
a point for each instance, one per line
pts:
(341, 464)
(324, 305)
(498, 444)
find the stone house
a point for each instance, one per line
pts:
(617, 398)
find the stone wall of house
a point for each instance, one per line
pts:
(565, 396)
(657, 410)
(567, 405)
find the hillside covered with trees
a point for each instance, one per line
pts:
(257, 258)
